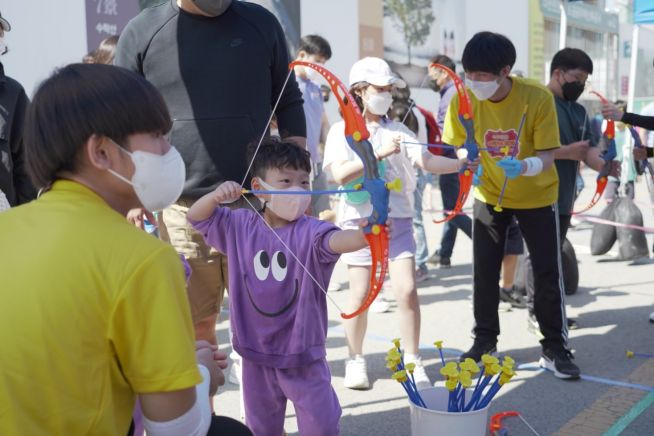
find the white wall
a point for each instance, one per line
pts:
(44, 34)
(508, 17)
(338, 22)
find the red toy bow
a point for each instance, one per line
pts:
(608, 156)
(357, 136)
(470, 144)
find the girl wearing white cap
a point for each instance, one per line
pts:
(371, 81)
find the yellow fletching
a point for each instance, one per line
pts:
(395, 185)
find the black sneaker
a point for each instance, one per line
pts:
(559, 361)
(513, 297)
(478, 349)
(572, 324)
(445, 263)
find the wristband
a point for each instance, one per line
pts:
(534, 166)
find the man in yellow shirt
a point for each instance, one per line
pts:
(94, 311)
(499, 102)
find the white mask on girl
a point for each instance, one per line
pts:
(378, 103)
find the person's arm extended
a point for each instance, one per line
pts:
(574, 151)
(644, 121)
(611, 112)
(347, 241)
(594, 159)
(345, 171)
(440, 164)
(202, 209)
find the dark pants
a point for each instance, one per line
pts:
(564, 225)
(449, 185)
(540, 228)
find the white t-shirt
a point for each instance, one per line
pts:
(400, 165)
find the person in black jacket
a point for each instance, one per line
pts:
(15, 185)
(220, 66)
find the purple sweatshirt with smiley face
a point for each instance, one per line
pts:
(278, 313)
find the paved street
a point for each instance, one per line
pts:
(611, 306)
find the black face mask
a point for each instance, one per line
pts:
(572, 90)
(434, 86)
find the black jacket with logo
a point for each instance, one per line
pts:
(14, 181)
(220, 77)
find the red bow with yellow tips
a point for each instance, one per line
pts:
(357, 136)
(470, 144)
(608, 156)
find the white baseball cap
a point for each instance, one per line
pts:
(374, 71)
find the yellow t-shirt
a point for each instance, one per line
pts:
(92, 310)
(496, 125)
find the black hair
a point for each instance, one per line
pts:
(401, 109)
(443, 60)
(315, 45)
(400, 93)
(488, 52)
(81, 100)
(358, 86)
(277, 153)
(570, 59)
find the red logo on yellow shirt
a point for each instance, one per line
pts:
(501, 143)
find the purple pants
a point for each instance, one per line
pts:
(266, 389)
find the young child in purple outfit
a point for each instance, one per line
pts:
(277, 302)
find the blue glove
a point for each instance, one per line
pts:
(512, 167)
(476, 178)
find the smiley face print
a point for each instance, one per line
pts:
(271, 271)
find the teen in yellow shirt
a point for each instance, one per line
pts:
(94, 311)
(498, 102)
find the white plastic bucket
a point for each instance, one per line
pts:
(436, 420)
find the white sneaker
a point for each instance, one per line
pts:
(235, 371)
(380, 305)
(419, 373)
(356, 374)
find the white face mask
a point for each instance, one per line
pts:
(158, 180)
(289, 207)
(483, 90)
(378, 103)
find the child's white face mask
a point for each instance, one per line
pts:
(289, 207)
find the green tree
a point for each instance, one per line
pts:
(412, 18)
